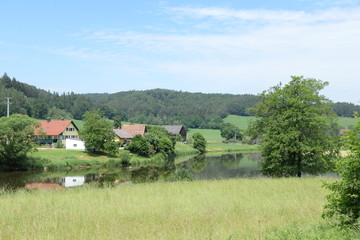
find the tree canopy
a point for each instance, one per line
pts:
(230, 131)
(16, 140)
(296, 126)
(98, 133)
(199, 142)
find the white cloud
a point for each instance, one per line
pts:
(274, 45)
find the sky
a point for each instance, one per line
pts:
(228, 46)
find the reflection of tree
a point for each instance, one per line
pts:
(231, 161)
(164, 171)
(199, 162)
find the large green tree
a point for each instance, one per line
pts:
(230, 131)
(199, 142)
(16, 140)
(296, 126)
(98, 133)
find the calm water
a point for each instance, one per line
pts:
(235, 165)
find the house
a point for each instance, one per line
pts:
(127, 132)
(176, 130)
(72, 181)
(52, 131)
(74, 144)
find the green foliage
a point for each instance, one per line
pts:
(117, 122)
(140, 146)
(199, 142)
(16, 140)
(296, 127)
(166, 146)
(229, 131)
(98, 133)
(125, 157)
(59, 144)
(344, 202)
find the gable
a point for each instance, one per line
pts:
(174, 129)
(54, 127)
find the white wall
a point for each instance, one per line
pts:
(72, 181)
(74, 144)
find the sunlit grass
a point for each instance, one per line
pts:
(236, 209)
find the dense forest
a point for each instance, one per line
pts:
(158, 106)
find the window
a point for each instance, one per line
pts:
(70, 129)
(75, 145)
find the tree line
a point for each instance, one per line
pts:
(157, 106)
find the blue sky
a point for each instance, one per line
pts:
(198, 46)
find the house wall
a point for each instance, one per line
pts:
(72, 181)
(70, 132)
(74, 144)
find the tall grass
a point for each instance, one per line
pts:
(226, 209)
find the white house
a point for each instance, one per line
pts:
(74, 144)
(72, 181)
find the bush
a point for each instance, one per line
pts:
(125, 157)
(199, 142)
(344, 202)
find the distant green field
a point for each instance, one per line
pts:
(209, 134)
(242, 122)
(346, 122)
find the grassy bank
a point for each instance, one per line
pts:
(227, 209)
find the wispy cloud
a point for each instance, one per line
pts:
(270, 16)
(274, 45)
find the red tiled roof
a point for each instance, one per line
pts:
(134, 129)
(53, 127)
(46, 186)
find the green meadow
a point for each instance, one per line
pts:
(242, 122)
(224, 209)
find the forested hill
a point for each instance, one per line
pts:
(158, 106)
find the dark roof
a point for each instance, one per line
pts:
(121, 133)
(173, 129)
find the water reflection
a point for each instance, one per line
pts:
(199, 167)
(234, 165)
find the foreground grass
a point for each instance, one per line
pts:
(227, 209)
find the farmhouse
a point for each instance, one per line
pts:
(52, 131)
(176, 130)
(127, 132)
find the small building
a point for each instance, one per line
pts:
(72, 181)
(176, 130)
(127, 132)
(52, 131)
(74, 144)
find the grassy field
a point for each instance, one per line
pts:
(226, 209)
(346, 122)
(242, 122)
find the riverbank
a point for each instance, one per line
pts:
(225, 209)
(74, 159)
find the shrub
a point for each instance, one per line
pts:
(344, 202)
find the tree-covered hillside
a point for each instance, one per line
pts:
(157, 106)
(38, 103)
(160, 106)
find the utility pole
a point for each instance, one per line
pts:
(8, 105)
